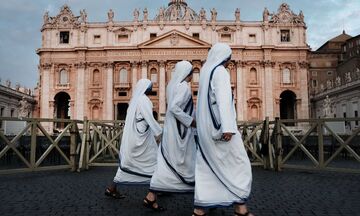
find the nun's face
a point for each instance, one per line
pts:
(189, 78)
(227, 62)
(149, 89)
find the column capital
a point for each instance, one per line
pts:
(144, 63)
(80, 65)
(46, 66)
(134, 64)
(240, 63)
(304, 64)
(51, 104)
(267, 63)
(162, 63)
(108, 64)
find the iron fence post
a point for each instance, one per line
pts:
(320, 142)
(33, 145)
(278, 145)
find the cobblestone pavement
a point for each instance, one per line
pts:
(291, 192)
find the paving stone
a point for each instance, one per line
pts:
(291, 192)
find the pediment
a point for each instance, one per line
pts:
(122, 30)
(226, 29)
(174, 39)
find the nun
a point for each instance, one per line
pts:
(175, 170)
(138, 150)
(222, 172)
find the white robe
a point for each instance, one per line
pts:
(175, 171)
(223, 171)
(138, 148)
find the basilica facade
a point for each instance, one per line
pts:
(90, 68)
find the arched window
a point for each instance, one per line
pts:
(123, 76)
(96, 77)
(196, 75)
(254, 112)
(286, 76)
(153, 75)
(253, 76)
(63, 77)
(95, 112)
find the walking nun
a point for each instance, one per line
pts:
(138, 150)
(222, 172)
(176, 155)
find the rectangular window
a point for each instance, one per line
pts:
(122, 94)
(123, 38)
(154, 78)
(2, 111)
(314, 83)
(195, 78)
(344, 114)
(153, 36)
(195, 93)
(12, 112)
(286, 76)
(64, 37)
(152, 93)
(285, 35)
(226, 37)
(196, 35)
(252, 38)
(314, 73)
(356, 114)
(97, 39)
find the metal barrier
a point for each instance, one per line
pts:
(319, 142)
(304, 143)
(255, 137)
(101, 143)
(33, 145)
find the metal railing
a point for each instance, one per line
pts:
(34, 148)
(315, 144)
(101, 143)
(318, 144)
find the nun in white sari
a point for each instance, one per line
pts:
(222, 172)
(175, 171)
(138, 150)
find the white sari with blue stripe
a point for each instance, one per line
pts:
(223, 171)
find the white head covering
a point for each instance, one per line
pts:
(182, 70)
(141, 86)
(217, 55)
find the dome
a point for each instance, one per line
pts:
(177, 10)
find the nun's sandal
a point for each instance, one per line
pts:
(150, 205)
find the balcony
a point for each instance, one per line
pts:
(122, 85)
(63, 86)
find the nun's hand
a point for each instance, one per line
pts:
(158, 139)
(227, 136)
(193, 123)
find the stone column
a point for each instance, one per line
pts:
(240, 91)
(134, 68)
(144, 69)
(71, 109)
(49, 126)
(162, 95)
(45, 93)
(268, 89)
(80, 91)
(109, 91)
(303, 112)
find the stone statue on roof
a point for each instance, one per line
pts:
(110, 15)
(237, 14)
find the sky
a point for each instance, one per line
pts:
(21, 21)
